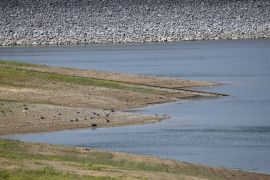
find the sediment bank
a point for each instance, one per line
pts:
(42, 161)
(57, 22)
(38, 98)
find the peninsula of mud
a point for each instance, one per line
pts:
(37, 98)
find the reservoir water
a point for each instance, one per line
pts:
(229, 131)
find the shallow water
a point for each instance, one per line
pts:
(229, 131)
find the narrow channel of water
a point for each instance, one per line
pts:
(229, 131)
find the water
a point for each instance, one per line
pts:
(229, 131)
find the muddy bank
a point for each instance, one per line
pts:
(37, 98)
(31, 117)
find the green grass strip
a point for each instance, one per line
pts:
(8, 75)
(45, 174)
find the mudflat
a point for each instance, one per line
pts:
(37, 98)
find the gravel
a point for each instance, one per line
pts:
(51, 22)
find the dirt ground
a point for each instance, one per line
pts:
(91, 162)
(36, 98)
(30, 117)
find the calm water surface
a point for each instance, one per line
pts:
(229, 132)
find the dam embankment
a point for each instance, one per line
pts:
(57, 22)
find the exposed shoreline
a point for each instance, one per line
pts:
(38, 98)
(20, 159)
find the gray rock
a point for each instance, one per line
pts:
(51, 22)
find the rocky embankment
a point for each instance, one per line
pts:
(45, 22)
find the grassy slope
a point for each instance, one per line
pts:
(18, 63)
(9, 72)
(39, 161)
(45, 174)
(16, 152)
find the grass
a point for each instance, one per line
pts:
(12, 73)
(18, 151)
(16, 154)
(10, 145)
(18, 63)
(27, 75)
(45, 174)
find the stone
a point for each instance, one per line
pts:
(65, 22)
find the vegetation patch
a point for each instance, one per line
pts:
(18, 63)
(94, 160)
(45, 174)
(13, 73)
(46, 159)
